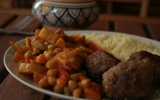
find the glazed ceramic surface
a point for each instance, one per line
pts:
(69, 15)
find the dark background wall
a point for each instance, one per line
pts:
(132, 8)
(118, 7)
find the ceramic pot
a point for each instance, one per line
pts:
(66, 13)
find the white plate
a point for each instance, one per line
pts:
(13, 69)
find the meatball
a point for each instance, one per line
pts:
(153, 60)
(99, 62)
(128, 80)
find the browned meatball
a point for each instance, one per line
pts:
(99, 62)
(128, 80)
(153, 60)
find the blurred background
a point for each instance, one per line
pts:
(149, 8)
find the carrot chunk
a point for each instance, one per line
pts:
(37, 77)
(64, 73)
(90, 93)
(94, 46)
(18, 57)
(28, 58)
(41, 59)
(75, 36)
(37, 31)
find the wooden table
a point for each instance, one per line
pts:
(11, 89)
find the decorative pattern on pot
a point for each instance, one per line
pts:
(65, 16)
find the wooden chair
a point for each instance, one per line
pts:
(143, 9)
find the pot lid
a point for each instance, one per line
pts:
(69, 1)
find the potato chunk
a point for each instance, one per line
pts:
(49, 35)
(30, 68)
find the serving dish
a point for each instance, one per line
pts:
(12, 68)
(66, 14)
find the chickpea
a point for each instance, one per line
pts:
(44, 83)
(51, 47)
(28, 53)
(36, 51)
(58, 89)
(72, 84)
(75, 77)
(45, 51)
(79, 84)
(49, 55)
(52, 72)
(86, 83)
(57, 50)
(52, 81)
(77, 93)
(81, 76)
(67, 91)
(46, 43)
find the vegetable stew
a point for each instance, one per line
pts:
(55, 61)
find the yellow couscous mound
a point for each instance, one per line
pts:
(121, 45)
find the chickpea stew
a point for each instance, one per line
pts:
(55, 61)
